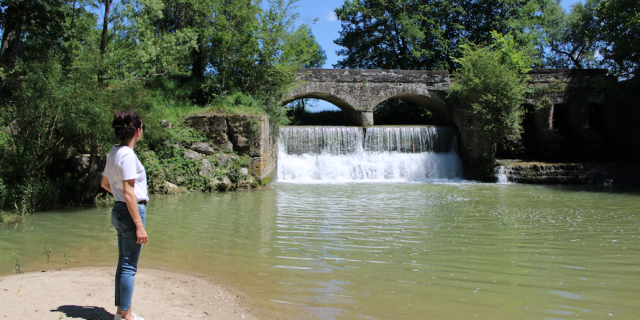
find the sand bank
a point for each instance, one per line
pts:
(87, 293)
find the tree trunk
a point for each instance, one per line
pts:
(198, 56)
(103, 40)
(14, 18)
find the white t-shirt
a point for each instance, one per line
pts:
(123, 164)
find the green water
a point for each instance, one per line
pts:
(379, 251)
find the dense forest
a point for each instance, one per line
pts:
(65, 66)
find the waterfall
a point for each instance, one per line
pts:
(502, 175)
(347, 154)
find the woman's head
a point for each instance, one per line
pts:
(126, 124)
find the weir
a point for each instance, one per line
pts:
(344, 154)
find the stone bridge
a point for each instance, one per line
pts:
(358, 91)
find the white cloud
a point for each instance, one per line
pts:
(331, 16)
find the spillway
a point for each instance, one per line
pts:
(354, 154)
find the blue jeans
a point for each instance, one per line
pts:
(128, 252)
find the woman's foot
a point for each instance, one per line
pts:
(133, 316)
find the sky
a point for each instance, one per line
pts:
(327, 28)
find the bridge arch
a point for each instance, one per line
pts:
(435, 106)
(352, 116)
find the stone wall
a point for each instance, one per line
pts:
(247, 135)
(610, 174)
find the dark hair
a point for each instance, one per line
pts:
(125, 124)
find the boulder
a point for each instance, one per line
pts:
(203, 147)
(225, 184)
(225, 160)
(170, 188)
(206, 167)
(189, 154)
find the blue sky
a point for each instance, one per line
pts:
(327, 27)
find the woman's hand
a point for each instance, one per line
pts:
(141, 236)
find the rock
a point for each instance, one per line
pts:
(206, 167)
(225, 184)
(243, 130)
(166, 124)
(81, 164)
(244, 171)
(203, 147)
(189, 154)
(225, 160)
(214, 127)
(170, 188)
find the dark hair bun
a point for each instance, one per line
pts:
(125, 124)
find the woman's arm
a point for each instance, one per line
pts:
(132, 205)
(104, 183)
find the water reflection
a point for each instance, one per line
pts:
(372, 251)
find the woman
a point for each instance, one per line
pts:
(125, 178)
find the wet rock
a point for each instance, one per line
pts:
(571, 173)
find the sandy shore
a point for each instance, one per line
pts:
(87, 293)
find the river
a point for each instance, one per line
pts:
(408, 250)
(376, 225)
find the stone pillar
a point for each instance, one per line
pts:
(365, 118)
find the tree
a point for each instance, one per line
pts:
(492, 82)
(398, 34)
(571, 37)
(21, 19)
(410, 34)
(620, 30)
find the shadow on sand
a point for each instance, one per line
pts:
(88, 313)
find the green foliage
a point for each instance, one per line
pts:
(491, 82)
(47, 251)
(620, 30)
(165, 59)
(572, 38)
(235, 103)
(17, 264)
(417, 35)
(67, 258)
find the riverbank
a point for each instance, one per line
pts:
(87, 293)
